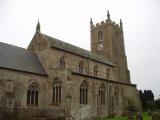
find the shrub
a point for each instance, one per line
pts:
(149, 112)
(155, 116)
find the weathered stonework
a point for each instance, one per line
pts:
(118, 88)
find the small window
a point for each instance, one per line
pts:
(57, 91)
(100, 37)
(95, 71)
(62, 62)
(108, 73)
(32, 94)
(84, 93)
(81, 67)
(102, 94)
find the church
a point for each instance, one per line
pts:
(52, 77)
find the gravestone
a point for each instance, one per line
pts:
(139, 116)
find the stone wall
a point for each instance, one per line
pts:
(21, 82)
(117, 95)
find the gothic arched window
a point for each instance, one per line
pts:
(62, 62)
(102, 94)
(84, 93)
(57, 91)
(32, 94)
(100, 37)
(95, 70)
(81, 67)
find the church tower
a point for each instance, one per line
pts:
(107, 40)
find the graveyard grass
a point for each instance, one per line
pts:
(145, 117)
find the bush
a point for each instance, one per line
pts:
(149, 112)
(157, 103)
(155, 116)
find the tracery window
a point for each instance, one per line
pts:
(95, 71)
(32, 94)
(102, 94)
(62, 62)
(57, 91)
(84, 93)
(81, 67)
(100, 37)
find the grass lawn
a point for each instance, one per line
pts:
(145, 117)
(117, 118)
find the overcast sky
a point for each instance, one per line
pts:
(68, 20)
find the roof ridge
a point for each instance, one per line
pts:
(66, 42)
(18, 47)
(18, 58)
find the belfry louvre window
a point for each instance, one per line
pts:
(100, 37)
(84, 93)
(32, 94)
(57, 91)
(102, 94)
(62, 62)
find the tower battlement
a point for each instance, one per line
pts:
(108, 21)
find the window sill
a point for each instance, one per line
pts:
(83, 104)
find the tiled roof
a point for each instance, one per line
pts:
(16, 58)
(76, 50)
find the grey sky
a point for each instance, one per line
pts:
(68, 20)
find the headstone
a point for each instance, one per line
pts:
(130, 116)
(139, 116)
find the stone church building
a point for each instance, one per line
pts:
(54, 76)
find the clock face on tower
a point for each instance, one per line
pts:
(100, 47)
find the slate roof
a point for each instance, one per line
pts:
(16, 58)
(76, 50)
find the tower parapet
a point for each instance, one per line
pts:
(108, 21)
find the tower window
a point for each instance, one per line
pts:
(100, 37)
(57, 91)
(84, 93)
(102, 94)
(32, 94)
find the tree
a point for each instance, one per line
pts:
(147, 97)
